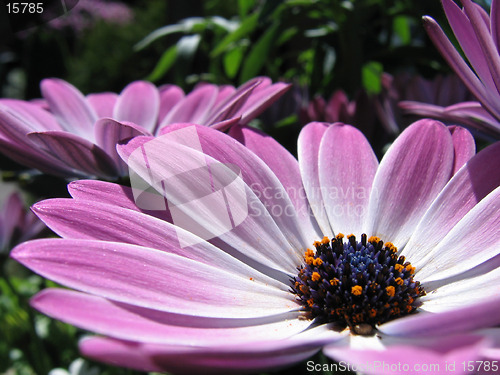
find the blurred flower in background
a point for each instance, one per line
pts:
(478, 35)
(86, 13)
(360, 111)
(402, 91)
(17, 223)
(68, 134)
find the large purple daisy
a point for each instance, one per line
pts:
(333, 251)
(68, 134)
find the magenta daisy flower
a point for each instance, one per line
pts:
(334, 251)
(478, 35)
(17, 223)
(77, 136)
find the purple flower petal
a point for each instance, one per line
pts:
(464, 145)
(474, 238)
(261, 99)
(170, 95)
(467, 291)
(31, 157)
(69, 106)
(347, 166)
(108, 133)
(80, 219)
(460, 319)
(139, 103)
(134, 323)
(232, 105)
(151, 278)
(308, 150)
(77, 153)
(485, 40)
(411, 174)
(109, 193)
(284, 166)
(464, 31)
(469, 186)
(103, 103)
(255, 356)
(119, 353)
(456, 62)
(19, 117)
(193, 108)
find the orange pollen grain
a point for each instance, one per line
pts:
(334, 281)
(356, 290)
(399, 281)
(325, 240)
(339, 236)
(374, 239)
(310, 302)
(308, 253)
(315, 276)
(410, 269)
(398, 267)
(372, 313)
(317, 262)
(390, 291)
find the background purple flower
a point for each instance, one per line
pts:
(478, 34)
(68, 134)
(17, 223)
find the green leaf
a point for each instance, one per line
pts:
(232, 61)
(244, 6)
(401, 25)
(166, 61)
(246, 27)
(259, 54)
(372, 77)
(188, 25)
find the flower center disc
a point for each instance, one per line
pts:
(356, 284)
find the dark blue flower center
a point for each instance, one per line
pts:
(356, 284)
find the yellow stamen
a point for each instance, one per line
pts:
(374, 239)
(339, 236)
(399, 281)
(391, 247)
(390, 291)
(410, 269)
(334, 281)
(398, 267)
(356, 290)
(315, 276)
(325, 240)
(318, 262)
